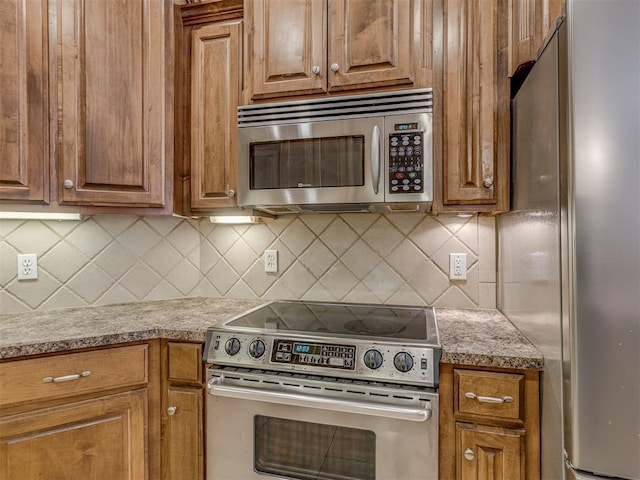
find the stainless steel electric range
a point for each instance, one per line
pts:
(303, 390)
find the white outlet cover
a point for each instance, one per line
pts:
(27, 266)
(457, 266)
(271, 261)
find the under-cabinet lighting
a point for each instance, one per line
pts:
(465, 214)
(39, 216)
(235, 219)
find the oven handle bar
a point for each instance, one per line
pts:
(215, 387)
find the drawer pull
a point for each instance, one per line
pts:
(505, 399)
(469, 455)
(172, 410)
(66, 378)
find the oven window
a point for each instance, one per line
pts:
(307, 163)
(304, 450)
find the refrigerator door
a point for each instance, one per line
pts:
(602, 355)
(529, 280)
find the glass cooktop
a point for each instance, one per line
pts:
(392, 322)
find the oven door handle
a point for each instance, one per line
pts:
(215, 386)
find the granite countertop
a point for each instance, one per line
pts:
(468, 337)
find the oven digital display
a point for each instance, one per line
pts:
(309, 348)
(315, 354)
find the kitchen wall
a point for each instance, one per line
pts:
(105, 259)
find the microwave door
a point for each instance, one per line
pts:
(329, 162)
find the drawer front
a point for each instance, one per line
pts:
(70, 374)
(492, 394)
(185, 362)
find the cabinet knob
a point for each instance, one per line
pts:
(335, 67)
(315, 70)
(172, 410)
(68, 183)
(469, 455)
(231, 193)
(487, 182)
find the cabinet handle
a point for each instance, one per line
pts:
(231, 193)
(487, 182)
(469, 455)
(172, 411)
(66, 378)
(315, 70)
(505, 399)
(68, 183)
(334, 67)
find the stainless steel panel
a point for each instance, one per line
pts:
(605, 320)
(529, 283)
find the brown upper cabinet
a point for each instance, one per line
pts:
(471, 127)
(303, 47)
(531, 21)
(24, 116)
(208, 86)
(93, 100)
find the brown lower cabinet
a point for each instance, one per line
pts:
(489, 423)
(182, 418)
(90, 414)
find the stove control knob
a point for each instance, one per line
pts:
(403, 361)
(373, 359)
(232, 346)
(256, 348)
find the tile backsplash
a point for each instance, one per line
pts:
(105, 259)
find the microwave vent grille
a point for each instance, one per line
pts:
(329, 108)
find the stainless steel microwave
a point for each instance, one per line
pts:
(364, 153)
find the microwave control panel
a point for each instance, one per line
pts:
(406, 162)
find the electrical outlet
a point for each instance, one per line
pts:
(27, 266)
(457, 266)
(271, 261)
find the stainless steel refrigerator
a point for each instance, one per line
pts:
(569, 250)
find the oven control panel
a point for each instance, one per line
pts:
(318, 354)
(406, 161)
(358, 359)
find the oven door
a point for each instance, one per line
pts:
(301, 429)
(328, 162)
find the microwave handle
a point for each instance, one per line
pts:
(375, 158)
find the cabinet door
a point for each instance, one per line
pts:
(24, 124)
(287, 44)
(99, 439)
(184, 434)
(488, 453)
(112, 104)
(475, 124)
(215, 73)
(370, 43)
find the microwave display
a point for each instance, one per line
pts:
(336, 161)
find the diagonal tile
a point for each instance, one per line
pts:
(163, 258)
(140, 280)
(32, 237)
(34, 292)
(468, 234)
(222, 237)
(90, 238)
(429, 282)
(382, 281)
(184, 237)
(222, 277)
(339, 281)
(139, 238)
(62, 228)
(360, 259)
(62, 261)
(405, 296)
(209, 256)
(405, 222)
(115, 224)
(297, 237)
(318, 293)
(296, 281)
(240, 256)
(241, 290)
(90, 283)
(382, 237)
(259, 281)
(318, 258)
(116, 294)
(9, 226)
(184, 277)
(406, 258)
(9, 304)
(429, 235)
(163, 291)
(258, 237)
(453, 245)
(360, 294)
(338, 236)
(454, 298)
(451, 221)
(62, 298)
(360, 222)
(116, 259)
(277, 225)
(317, 222)
(164, 224)
(8, 263)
